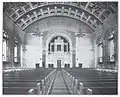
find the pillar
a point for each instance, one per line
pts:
(55, 48)
(95, 54)
(62, 47)
(21, 55)
(67, 47)
(11, 49)
(71, 57)
(105, 53)
(50, 47)
(77, 50)
(116, 47)
(46, 65)
(41, 49)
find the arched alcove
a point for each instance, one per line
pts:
(65, 57)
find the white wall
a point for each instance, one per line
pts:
(65, 59)
(86, 53)
(33, 51)
(32, 55)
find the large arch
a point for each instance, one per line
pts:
(50, 37)
(75, 10)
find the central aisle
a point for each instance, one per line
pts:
(59, 87)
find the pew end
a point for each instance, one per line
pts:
(32, 91)
(87, 91)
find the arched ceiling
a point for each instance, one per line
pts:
(56, 24)
(92, 14)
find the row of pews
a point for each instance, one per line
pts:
(20, 82)
(100, 82)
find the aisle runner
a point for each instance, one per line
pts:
(59, 87)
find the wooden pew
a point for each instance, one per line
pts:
(99, 82)
(21, 82)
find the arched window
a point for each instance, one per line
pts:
(16, 51)
(52, 48)
(58, 44)
(58, 47)
(111, 45)
(100, 51)
(65, 48)
(5, 46)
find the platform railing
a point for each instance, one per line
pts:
(74, 85)
(44, 86)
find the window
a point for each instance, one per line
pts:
(49, 47)
(58, 47)
(100, 51)
(52, 48)
(16, 51)
(65, 48)
(68, 47)
(5, 46)
(111, 51)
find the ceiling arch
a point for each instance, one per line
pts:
(51, 36)
(58, 24)
(24, 14)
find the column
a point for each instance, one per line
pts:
(62, 10)
(55, 48)
(95, 54)
(71, 57)
(116, 47)
(46, 65)
(11, 41)
(62, 47)
(105, 56)
(50, 47)
(77, 50)
(21, 56)
(55, 9)
(41, 48)
(67, 47)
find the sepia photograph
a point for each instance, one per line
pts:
(60, 48)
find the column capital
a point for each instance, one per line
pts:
(79, 34)
(41, 34)
(76, 34)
